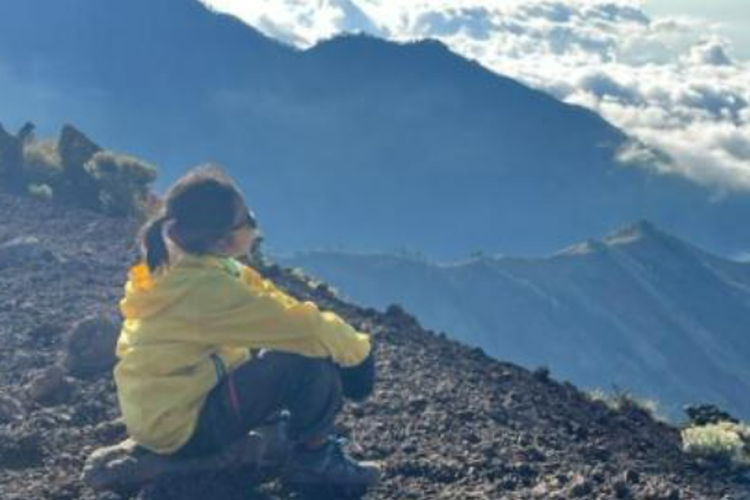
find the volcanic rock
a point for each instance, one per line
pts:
(580, 487)
(24, 249)
(126, 464)
(75, 148)
(20, 450)
(91, 345)
(10, 409)
(79, 187)
(708, 414)
(11, 160)
(26, 133)
(50, 386)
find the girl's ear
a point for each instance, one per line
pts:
(222, 245)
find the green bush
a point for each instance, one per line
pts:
(42, 161)
(623, 400)
(723, 441)
(41, 191)
(124, 182)
(73, 169)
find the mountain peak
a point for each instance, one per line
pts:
(641, 230)
(366, 43)
(587, 247)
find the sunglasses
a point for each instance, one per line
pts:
(248, 221)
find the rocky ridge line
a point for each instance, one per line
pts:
(447, 420)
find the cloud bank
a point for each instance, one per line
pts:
(671, 82)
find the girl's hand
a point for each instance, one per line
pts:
(358, 381)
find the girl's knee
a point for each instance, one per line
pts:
(305, 367)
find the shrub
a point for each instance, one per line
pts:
(622, 400)
(124, 182)
(724, 441)
(41, 191)
(42, 161)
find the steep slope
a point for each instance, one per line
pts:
(420, 147)
(640, 309)
(448, 421)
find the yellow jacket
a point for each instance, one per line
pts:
(199, 306)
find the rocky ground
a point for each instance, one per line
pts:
(447, 421)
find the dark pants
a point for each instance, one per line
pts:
(309, 388)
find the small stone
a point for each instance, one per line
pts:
(621, 489)
(632, 476)
(10, 409)
(409, 447)
(580, 487)
(110, 431)
(541, 490)
(660, 491)
(49, 386)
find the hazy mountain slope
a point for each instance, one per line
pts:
(356, 142)
(446, 420)
(639, 309)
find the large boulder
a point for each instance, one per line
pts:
(126, 465)
(90, 346)
(27, 133)
(11, 161)
(75, 148)
(78, 186)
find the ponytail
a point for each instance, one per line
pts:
(153, 246)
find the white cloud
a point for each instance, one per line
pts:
(711, 51)
(671, 82)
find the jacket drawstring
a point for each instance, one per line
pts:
(221, 373)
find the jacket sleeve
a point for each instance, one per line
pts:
(252, 312)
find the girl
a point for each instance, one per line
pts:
(209, 349)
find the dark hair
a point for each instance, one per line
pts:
(203, 205)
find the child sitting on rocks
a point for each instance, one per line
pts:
(210, 350)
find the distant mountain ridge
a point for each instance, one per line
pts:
(639, 309)
(445, 420)
(356, 142)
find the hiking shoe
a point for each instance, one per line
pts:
(329, 469)
(277, 445)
